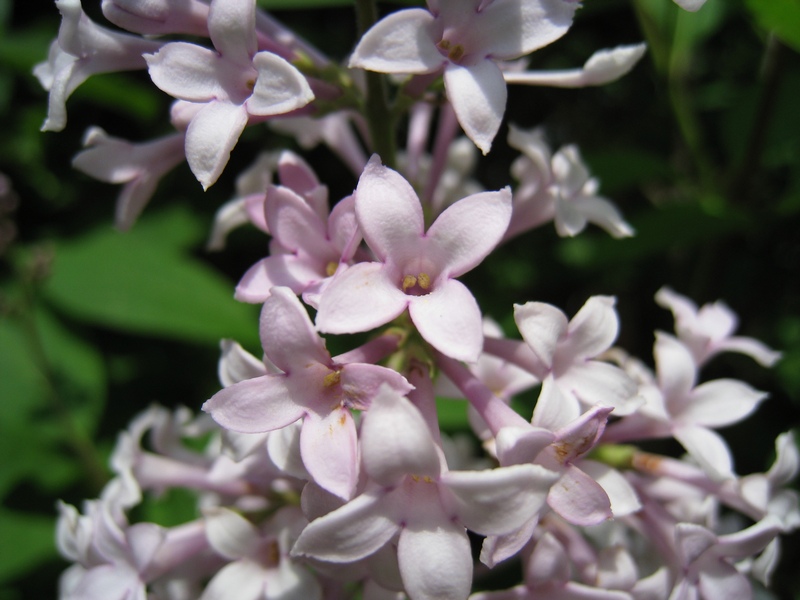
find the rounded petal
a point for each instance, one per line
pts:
(499, 500)
(328, 444)
(277, 270)
(592, 330)
(449, 320)
(210, 137)
(435, 563)
(396, 441)
(389, 212)
(359, 298)
(708, 449)
(244, 576)
(478, 94)
(187, 71)
(518, 27)
(457, 243)
(721, 402)
(232, 28)
(542, 326)
(287, 334)
(676, 370)
(254, 406)
(357, 529)
(230, 534)
(280, 88)
(579, 498)
(402, 42)
(624, 500)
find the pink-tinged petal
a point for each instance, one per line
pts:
(499, 500)
(541, 326)
(455, 240)
(144, 540)
(554, 409)
(604, 214)
(389, 212)
(435, 562)
(280, 88)
(212, 134)
(548, 562)
(719, 580)
(343, 228)
(682, 308)
(403, 42)
(498, 548)
(692, 541)
(478, 94)
(750, 541)
(295, 224)
(449, 320)
(328, 444)
(396, 441)
(517, 446)
(254, 406)
(232, 29)
(758, 351)
(295, 173)
(579, 498)
(359, 299)
(518, 27)
(604, 66)
(187, 71)
(354, 531)
(362, 382)
(287, 334)
(592, 330)
(624, 500)
(787, 460)
(236, 364)
(708, 449)
(292, 582)
(277, 270)
(283, 449)
(721, 402)
(595, 382)
(230, 534)
(244, 576)
(676, 370)
(109, 582)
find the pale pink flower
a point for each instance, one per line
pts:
(416, 269)
(707, 331)
(84, 48)
(232, 84)
(466, 39)
(313, 387)
(139, 166)
(413, 498)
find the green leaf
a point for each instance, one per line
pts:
(133, 283)
(452, 414)
(779, 16)
(26, 540)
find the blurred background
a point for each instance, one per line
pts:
(699, 147)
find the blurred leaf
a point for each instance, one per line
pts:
(622, 169)
(656, 231)
(26, 540)
(129, 282)
(779, 16)
(691, 29)
(452, 414)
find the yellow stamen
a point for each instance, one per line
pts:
(424, 281)
(331, 267)
(332, 378)
(409, 281)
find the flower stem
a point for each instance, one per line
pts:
(376, 109)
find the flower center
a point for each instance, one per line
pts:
(454, 52)
(417, 285)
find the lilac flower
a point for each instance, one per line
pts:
(260, 567)
(232, 83)
(312, 386)
(414, 498)
(466, 39)
(709, 330)
(567, 352)
(415, 269)
(676, 406)
(557, 187)
(83, 49)
(138, 166)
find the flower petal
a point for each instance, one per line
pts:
(210, 137)
(402, 42)
(328, 444)
(280, 88)
(449, 319)
(478, 94)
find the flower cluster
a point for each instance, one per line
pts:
(320, 476)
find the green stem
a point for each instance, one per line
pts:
(376, 109)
